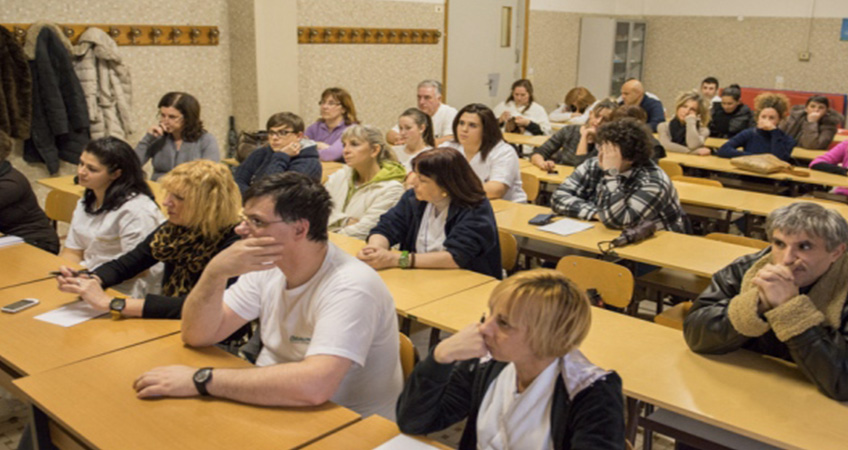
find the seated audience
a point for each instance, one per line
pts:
(203, 204)
(787, 301)
(622, 187)
(834, 161)
(709, 90)
(328, 324)
(116, 211)
(442, 115)
(635, 112)
(286, 150)
(494, 161)
(813, 125)
(730, 116)
(573, 144)
(444, 221)
(575, 109)
(337, 113)
(537, 391)
(20, 214)
(766, 137)
(521, 114)
(367, 186)
(687, 131)
(633, 93)
(416, 132)
(179, 136)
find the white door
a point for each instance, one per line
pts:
(480, 69)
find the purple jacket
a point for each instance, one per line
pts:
(319, 132)
(836, 156)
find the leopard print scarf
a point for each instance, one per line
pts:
(188, 251)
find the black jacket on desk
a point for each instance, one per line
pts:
(438, 395)
(140, 259)
(20, 214)
(471, 235)
(820, 350)
(265, 161)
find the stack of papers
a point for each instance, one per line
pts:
(6, 241)
(564, 227)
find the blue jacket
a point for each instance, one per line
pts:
(471, 235)
(264, 161)
(755, 141)
(654, 108)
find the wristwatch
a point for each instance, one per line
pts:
(403, 262)
(612, 172)
(116, 307)
(201, 378)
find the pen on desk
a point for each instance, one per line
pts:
(75, 273)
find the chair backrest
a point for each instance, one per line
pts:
(696, 180)
(613, 282)
(59, 205)
(509, 250)
(407, 355)
(671, 168)
(739, 240)
(530, 183)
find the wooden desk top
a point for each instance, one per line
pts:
(232, 162)
(563, 172)
(767, 400)
(717, 164)
(533, 141)
(365, 435)
(115, 418)
(665, 249)
(31, 346)
(23, 263)
(66, 184)
(416, 287)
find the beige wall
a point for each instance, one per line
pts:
(202, 71)
(380, 78)
(552, 50)
(243, 77)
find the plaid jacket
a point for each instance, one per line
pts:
(623, 201)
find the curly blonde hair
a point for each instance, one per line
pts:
(704, 113)
(212, 198)
(774, 100)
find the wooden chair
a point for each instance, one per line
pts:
(509, 250)
(614, 283)
(407, 355)
(704, 218)
(530, 183)
(697, 180)
(671, 168)
(59, 206)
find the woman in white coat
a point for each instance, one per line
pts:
(521, 114)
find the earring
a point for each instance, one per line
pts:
(444, 194)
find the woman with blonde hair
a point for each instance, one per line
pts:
(337, 113)
(518, 377)
(575, 109)
(769, 109)
(687, 131)
(369, 185)
(203, 204)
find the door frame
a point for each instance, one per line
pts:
(445, 47)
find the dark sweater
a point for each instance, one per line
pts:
(755, 141)
(264, 161)
(439, 395)
(725, 126)
(471, 235)
(20, 214)
(140, 259)
(561, 147)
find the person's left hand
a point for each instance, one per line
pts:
(292, 149)
(322, 145)
(166, 381)
(814, 116)
(378, 258)
(522, 121)
(703, 151)
(609, 156)
(88, 289)
(776, 283)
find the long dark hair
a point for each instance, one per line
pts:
(115, 154)
(451, 171)
(189, 107)
(491, 131)
(422, 119)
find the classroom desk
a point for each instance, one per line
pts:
(365, 435)
(767, 400)
(330, 167)
(416, 287)
(533, 141)
(562, 172)
(232, 162)
(66, 184)
(797, 152)
(94, 401)
(556, 126)
(23, 263)
(664, 249)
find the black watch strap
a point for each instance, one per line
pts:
(201, 378)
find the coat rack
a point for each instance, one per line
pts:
(135, 34)
(347, 35)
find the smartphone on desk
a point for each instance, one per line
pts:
(542, 219)
(19, 305)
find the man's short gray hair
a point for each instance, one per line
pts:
(433, 84)
(811, 218)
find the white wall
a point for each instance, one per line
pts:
(748, 8)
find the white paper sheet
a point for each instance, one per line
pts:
(564, 227)
(8, 240)
(70, 315)
(404, 442)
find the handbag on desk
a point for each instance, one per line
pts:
(766, 163)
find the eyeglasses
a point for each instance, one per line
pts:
(162, 117)
(257, 224)
(329, 103)
(279, 133)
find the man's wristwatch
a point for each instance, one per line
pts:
(116, 307)
(403, 262)
(201, 378)
(612, 172)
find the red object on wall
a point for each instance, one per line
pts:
(837, 101)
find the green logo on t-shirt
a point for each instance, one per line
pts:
(300, 340)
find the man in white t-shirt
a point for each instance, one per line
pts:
(430, 101)
(328, 324)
